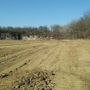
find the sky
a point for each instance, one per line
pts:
(35, 13)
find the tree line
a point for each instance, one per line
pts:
(76, 29)
(18, 32)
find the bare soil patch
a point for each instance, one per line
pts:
(45, 65)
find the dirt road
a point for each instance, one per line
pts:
(68, 59)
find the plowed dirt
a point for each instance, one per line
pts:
(45, 65)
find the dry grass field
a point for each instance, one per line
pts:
(65, 63)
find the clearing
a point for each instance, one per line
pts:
(45, 65)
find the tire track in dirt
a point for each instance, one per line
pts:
(16, 45)
(68, 59)
(10, 56)
(68, 76)
(21, 57)
(21, 62)
(49, 60)
(56, 60)
(40, 58)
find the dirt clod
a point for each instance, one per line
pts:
(36, 80)
(4, 75)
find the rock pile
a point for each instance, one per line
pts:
(37, 80)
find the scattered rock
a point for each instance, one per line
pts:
(4, 75)
(10, 72)
(24, 64)
(52, 73)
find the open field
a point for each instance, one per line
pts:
(69, 60)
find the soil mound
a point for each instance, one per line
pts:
(37, 80)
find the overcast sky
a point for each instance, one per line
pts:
(41, 12)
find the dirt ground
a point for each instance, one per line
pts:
(45, 65)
